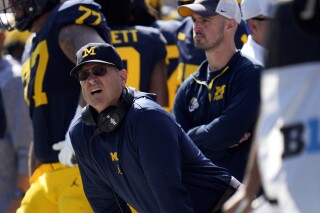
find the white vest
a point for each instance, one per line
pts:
(288, 136)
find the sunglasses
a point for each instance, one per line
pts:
(261, 19)
(83, 75)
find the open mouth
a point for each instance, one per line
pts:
(97, 91)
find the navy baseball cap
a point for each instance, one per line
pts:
(97, 52)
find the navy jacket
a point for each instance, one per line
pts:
(217, 111)
(148, 162)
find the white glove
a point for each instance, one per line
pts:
(67, 155)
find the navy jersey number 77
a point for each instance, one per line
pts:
(50, 92)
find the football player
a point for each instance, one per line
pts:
(59, 30)
(142, 49)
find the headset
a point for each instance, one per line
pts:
(109, 119)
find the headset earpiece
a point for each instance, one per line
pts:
(109, 119)
(89, 116)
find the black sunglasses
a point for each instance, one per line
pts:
(83, 75)
(261, 19)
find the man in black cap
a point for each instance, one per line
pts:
(131, 151)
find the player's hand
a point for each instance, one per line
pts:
(66, 155)
(240, 202)
(243, 138)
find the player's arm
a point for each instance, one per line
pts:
(33, 163)
(242, 199)
(73, 37)
(158, 82)
(158, 79)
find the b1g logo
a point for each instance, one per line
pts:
(293, 138)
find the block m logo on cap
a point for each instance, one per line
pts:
(87, 52)
(97, 53)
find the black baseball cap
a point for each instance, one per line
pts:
(97, 52)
